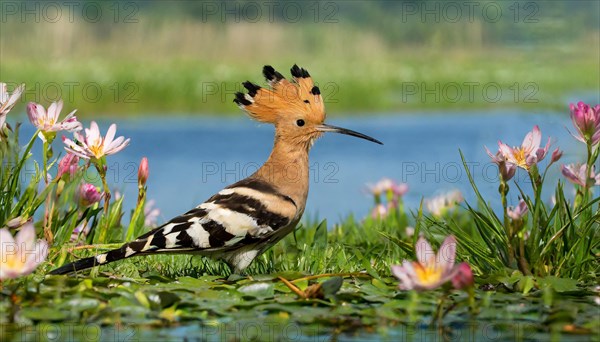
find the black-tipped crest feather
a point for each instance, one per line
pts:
(299, 72)
(252, 88)
(241, 100)
(271, 75)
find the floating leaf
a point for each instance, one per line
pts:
(331, 286)
(258, 290)
(560, 284)
(44, 314)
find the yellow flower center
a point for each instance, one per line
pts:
(427, 274)
(14, 261)
(45, 121)
(520, 157)
(97, 149)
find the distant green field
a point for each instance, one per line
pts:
(195, 68)
(390, 83)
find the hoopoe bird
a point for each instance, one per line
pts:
(246, 218)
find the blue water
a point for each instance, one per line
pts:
(192, 158)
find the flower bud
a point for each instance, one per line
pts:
(143, 172)
(519, 212)
(380, 211)
(89, 194)
(463, 277)
(68, 165)
(556, 155)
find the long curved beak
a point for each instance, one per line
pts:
(335, 129)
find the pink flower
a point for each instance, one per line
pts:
(578, 174)
(68, 165)
(507, 170)
(587, 122)
(463, 277)
(519, 212)
(528, 153)
(380, 211)
(431, 270)
(143, 172)
(93, 145)
(399, 189)
(81, 231)
(47, 121)
(22, 255)
(441, 204)
(556, 155)
(151, 214)
(89, 194)
(382, 186)
(7, 101)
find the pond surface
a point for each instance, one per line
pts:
(192, 158)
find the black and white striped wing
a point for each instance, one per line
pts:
(249, 210)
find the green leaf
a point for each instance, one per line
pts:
(320, 239)
(559, 284)
(43, 314)
(258, 290)
(331, 286)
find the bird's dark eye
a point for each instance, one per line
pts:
(300, 122)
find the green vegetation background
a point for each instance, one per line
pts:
(189, 57)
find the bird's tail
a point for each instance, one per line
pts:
(100, 259)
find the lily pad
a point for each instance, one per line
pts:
(258, 290)
(560, 284)
(43, 314)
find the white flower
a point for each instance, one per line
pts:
(432, 270)
(439, 205)
(151, 214)
(519, 212)
(47, 121)
(8, 101)
(94, 145)
(528, 153)
(22, 255)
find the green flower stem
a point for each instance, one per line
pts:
(592, 157)
(412, 306)
(523, 265)
(137, 213)
(48, 235)
(439, 312)
(537, 185)
(472, 304)
(45, 161)
(503, 189)
(107, 195)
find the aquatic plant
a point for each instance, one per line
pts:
(536, 238)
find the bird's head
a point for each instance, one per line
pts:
(295, 107)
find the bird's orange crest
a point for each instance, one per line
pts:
(285, 99)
